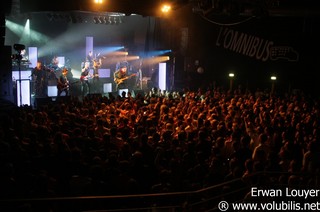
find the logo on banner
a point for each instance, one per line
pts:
(254, 46)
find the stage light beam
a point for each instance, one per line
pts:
(166, 8)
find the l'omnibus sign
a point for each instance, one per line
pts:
(254, 46)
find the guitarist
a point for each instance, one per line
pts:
(121, 77)
(63, 83)
(84, 79)
(96, 82)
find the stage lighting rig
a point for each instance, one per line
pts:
(18, 57)
(19, 47)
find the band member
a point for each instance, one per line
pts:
(96, 82)
(120, 76)
(84, 79)
(90, 58)
(63, 83)
(40, 79)
(96, 65)
(139, 76)
(55, 62)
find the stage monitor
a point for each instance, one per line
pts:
(52, 91)
(107, 87)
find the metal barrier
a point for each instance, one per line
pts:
(205, 199)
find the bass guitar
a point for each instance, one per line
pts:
(118, 81)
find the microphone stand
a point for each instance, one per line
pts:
(19, 66)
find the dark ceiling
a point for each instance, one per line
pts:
(151, 7)
(142, 7)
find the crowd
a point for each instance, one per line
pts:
(158, 142)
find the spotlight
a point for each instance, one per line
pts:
(55, 17)
(100, 20)
(62, 17)
(50, 16)
(67, 18)
(95, 20)
(79, 19)
(105, 19)
(120, 20)
(166, 8)
(73, 19)
(16, 57)
(19, 47)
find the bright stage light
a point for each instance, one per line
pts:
(166, 8)
(155, 60)
(130, 58)
(158, 53)
(111, 50)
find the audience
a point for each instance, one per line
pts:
(160, 142)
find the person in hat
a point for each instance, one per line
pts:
(121, 76)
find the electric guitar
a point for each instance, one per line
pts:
(65, 86)
(118, 81)
(83, 78)
(97, 63)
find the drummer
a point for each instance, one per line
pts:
(55, 62)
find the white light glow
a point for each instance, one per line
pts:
(61, 62)
(28, 35)
(166, 8)
(162, 76)
(33, 56)
(25, 92)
